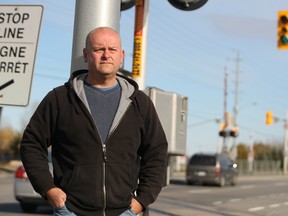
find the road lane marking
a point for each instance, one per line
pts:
(217, 202)
(259, 208)
(235, 200)
(200, 191)
(276, 205)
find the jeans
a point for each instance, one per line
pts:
(63, 211)
(128, 213)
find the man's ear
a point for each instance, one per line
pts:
(122, 56)
(85, 55)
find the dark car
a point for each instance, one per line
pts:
(206, 168)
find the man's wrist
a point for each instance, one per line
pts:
(134, 212)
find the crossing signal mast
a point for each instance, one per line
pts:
(140, 32)
(282, 30)
(226, 130)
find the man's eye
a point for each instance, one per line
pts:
(97, 50)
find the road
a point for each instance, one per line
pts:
(253, 195)
(8, 205)
(256, 195)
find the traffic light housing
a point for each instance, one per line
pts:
(127, 4)
(187, 5)
(234, 132)
(224, 133)
(282, 30)
(269, 118)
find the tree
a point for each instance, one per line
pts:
(9, 142)
(242, 151)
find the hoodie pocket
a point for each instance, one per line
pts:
(120, 185)
(85, 187)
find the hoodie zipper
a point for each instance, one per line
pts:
(105, 160)
(104, 178)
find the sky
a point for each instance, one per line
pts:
(187, 53)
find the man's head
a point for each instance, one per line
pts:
(103, 53)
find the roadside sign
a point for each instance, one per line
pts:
(19, 32)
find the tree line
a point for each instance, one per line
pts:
(10, 141)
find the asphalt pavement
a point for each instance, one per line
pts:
(164, 207)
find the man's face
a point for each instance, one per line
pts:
(104, 54)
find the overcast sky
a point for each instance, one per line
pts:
(186, 53)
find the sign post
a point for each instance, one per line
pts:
(19, 31)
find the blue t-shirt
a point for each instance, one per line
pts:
(103, 103)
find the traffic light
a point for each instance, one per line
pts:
(224, 133)
(234, 132)
(127, 4)
(282, 30)
(269, 118)
(187, 5)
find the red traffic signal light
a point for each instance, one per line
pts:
(282, 31)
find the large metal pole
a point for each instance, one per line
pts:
(140, 42)
(88, 15)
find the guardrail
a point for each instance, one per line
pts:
(259, 166)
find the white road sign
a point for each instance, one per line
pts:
(19, 31)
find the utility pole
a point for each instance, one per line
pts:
(224, 147)
(237, 72)
(251, 153)
(235, 113)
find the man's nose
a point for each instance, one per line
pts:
(106, 53)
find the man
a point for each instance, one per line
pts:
(109, 150)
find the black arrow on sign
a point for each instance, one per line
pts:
(7, 84)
